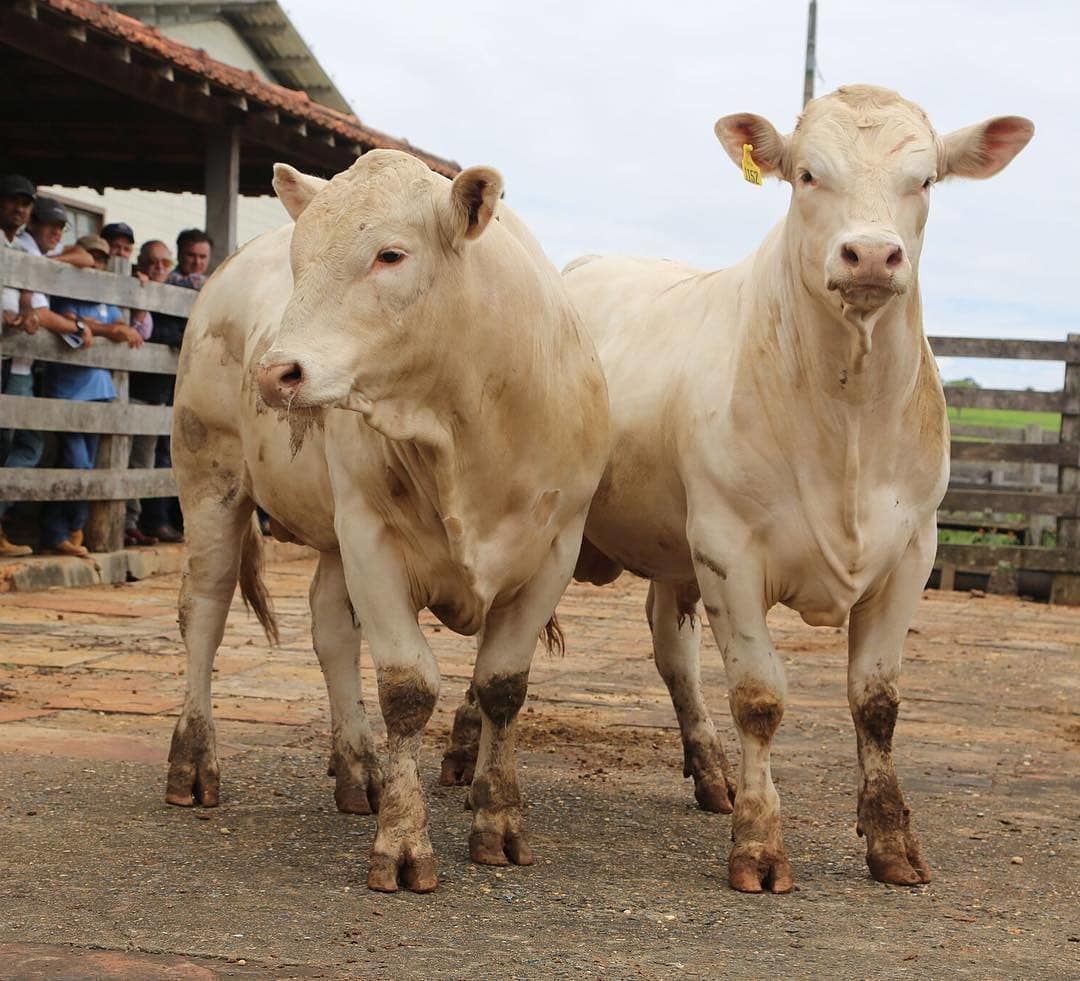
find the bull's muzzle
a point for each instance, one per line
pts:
(280, 383)
(868, 270)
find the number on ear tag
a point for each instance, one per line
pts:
(749, 168)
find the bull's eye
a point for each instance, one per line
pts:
(806, 177)
(390, 256)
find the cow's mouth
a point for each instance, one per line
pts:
(866, 296)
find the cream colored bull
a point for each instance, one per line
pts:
(781, 437)
(401, 382)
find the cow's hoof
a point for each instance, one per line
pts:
(417, 874)
(190, 783)
(357, 782)
(458, 767)
(902, 867)
(713, 793)
(500, 848)
(755, 867)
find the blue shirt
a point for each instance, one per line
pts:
(74, 382)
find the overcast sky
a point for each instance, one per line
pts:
(599, 116)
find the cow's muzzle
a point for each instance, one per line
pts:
(280, 383)
(868, 270)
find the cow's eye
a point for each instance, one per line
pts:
(806, 177)
(390, 256)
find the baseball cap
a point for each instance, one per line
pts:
(118, 229)
(95, 243)
(49, 210)
(15, 184)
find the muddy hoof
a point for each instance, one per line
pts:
(494, 848)
(756, 867)
(457, 769)
(902, 868)
(189, 784)
(713, 794)
(352, 798)
(415, 874)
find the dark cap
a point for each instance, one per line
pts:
(12, 185)
(49, 211)
(118, 229)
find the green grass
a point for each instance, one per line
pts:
(1004, 418)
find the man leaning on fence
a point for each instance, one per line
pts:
(27, 311)
(62, 522)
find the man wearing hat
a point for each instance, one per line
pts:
(121, 238)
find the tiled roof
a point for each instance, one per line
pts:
(100, 18)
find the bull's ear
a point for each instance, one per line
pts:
(770, 148)
(474, 196)
(983, 149)
(294, 189)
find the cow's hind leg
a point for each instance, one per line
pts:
(501, 680)
(459, 760)
(353, 764)
(876, 634)
(218, 529)
(674, 620)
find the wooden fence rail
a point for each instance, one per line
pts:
(110, 485)
(1014, 500)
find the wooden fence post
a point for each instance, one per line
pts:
(1066, 588)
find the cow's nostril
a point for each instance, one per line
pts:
(849, 255)
(293, 376)
(895, 257)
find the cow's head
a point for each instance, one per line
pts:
(376, 260)
(861, 163)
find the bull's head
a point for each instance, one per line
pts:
(376, 255)
(861, 163)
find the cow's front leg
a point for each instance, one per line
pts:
(353, 764)
(459, 760)
(674, 619)
(501, 681)
(876, 634)
(408, 679)
(756, 691)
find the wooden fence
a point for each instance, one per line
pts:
(111, 484)
(1026, 507)
(1010, 495)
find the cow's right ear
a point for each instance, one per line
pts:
(474, 196)
(294, 189)
(770, 148)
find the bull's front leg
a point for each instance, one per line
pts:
(501, 680)
(459, 760)
(757, 688)
(876, 633)
(408, 679)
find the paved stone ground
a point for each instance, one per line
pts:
(100, 879)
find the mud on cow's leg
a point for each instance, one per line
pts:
(674, 620)
(353, 763)
(459, 760)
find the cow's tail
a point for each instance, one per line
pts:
(252, 587)
(553, 638)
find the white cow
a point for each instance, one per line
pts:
(781, 437)
(402, 383)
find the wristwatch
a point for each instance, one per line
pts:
(80, 327)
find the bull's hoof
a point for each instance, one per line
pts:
(189, 784)
(901, 866)
(500, 848)
(754, 866)
(416, 873)
(458, 767)
(714, 794)
(357, 782)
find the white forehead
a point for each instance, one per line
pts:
(863, 126)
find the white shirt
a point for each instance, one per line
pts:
(24, 241)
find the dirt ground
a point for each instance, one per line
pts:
(99, 878)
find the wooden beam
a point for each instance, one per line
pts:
(1004, 398)
(222, 191)
(993, 452)
(44, 484)
(1011, 502)
(995, 347)
(61, 279)
(156, 359)
(63, 416)
(985, 558)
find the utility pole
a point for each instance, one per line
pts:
(811, 60)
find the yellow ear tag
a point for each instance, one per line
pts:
(749, 168)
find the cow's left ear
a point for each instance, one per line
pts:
(769, 147)
(982, 150)
(474, 196)
(294, 189)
